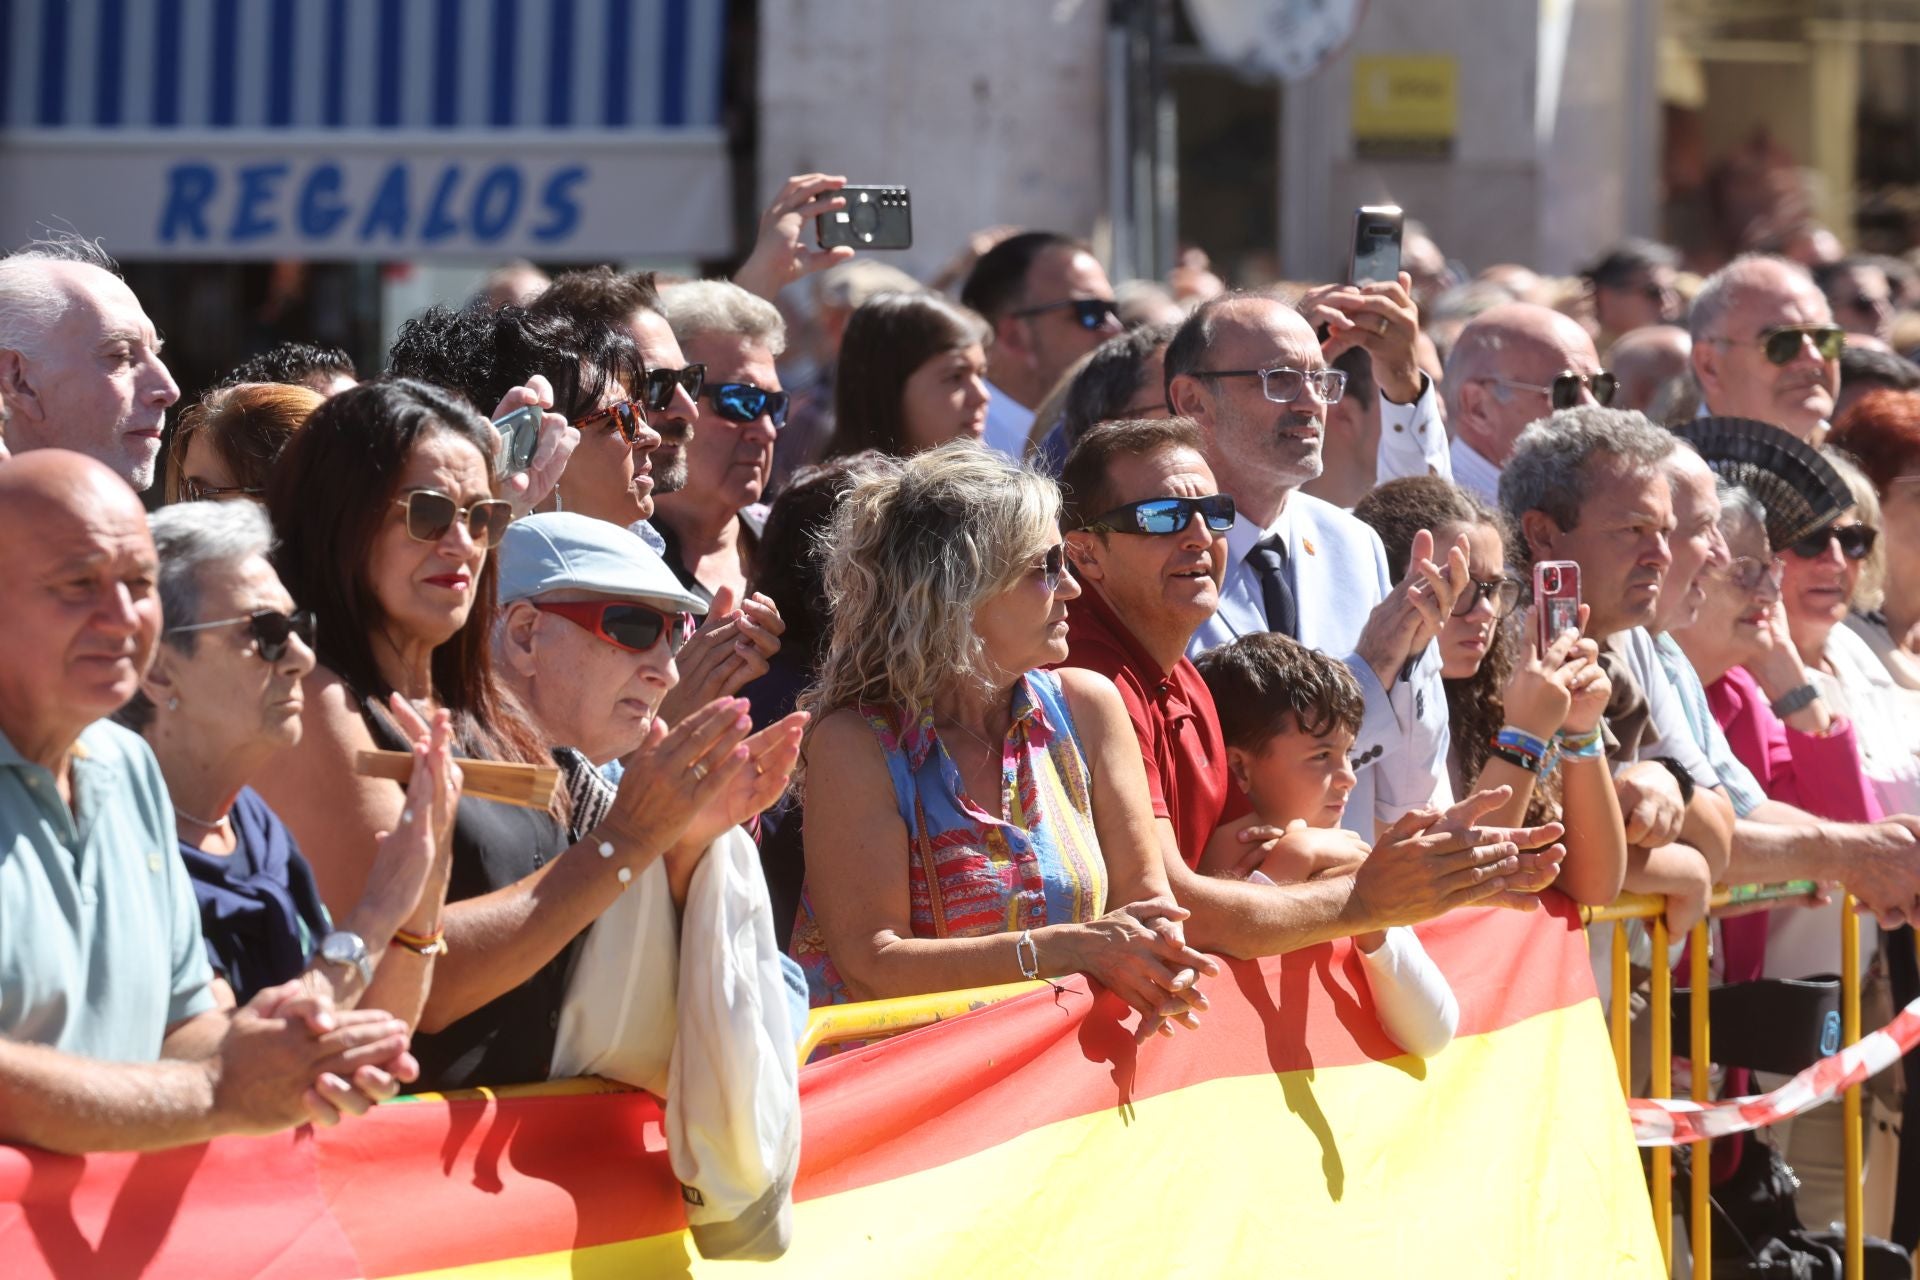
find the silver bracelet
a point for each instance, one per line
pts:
(1028, 955)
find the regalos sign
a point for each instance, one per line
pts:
(576, 195)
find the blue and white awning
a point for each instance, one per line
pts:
(610, 108)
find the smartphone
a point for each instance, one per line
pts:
(1376, 243)
(519, 434)
(1556, 599)
(875, 218)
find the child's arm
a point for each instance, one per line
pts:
(1677, 872)
(1287, 856)
(1416, 1005)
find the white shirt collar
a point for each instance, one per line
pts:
(1472, 471)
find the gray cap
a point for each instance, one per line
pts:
(566, 551)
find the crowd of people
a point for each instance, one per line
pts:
(1040, 630)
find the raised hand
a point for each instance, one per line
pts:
(730, 650)
(785, 250)
(558, 439)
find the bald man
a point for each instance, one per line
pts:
(1511, 366)
(80, 362)
(1765, 346)
(109, 1036)
(1300, 565)
(1647, 359)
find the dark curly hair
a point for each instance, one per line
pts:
(296, 364)
(482, 355)
(1476, 711)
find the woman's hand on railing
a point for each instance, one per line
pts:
(1140, 954)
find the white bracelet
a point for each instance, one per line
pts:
(1028, 955)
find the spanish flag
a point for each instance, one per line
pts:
(1031, 1138)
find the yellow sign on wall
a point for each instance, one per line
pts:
(1405, 105)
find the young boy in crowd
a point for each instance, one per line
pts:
(1289, 716)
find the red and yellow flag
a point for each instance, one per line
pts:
(1031, 1138)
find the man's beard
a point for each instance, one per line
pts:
(670, 457)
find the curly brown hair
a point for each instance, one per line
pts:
(1476, 709)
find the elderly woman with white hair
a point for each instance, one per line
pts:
(974, 819)
(221, 701)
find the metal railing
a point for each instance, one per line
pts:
(1725, 903)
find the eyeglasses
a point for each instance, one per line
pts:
(627, 416)
(272, 630)
(624, 625)
(1856, 542)
(1283, 385)
(1747, 573)
(430, 514)
(1565, 390)
(1053, 566)
(657, 394)
(194, 489)
(1503, 591)
(1784, 344)
(1157, 516)
(743, 402)
(1088, 313)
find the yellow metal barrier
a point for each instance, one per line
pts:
(1726, 902)
(869, 1019)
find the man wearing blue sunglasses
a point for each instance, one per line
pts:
(1049, 303)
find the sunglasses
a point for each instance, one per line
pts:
(1053, 566)
(430, 514)
(1503, 591)
(1564, 392)
(1283, 385)
(272, 630)
(193, 489)
(657, 390)
(1157, 516)
(633, 627)
(1747, 573)
(743, 402)
(1856, 542)
(1784, 344)
(627, 416)
(1088, 313)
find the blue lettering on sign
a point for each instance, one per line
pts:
(563, 209)
(321, 209)
(495, 202)
(189, 187)
(389, 208)
(440, 224)
(429, 203)
(259, 188)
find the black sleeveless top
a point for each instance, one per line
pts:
(510, 1039)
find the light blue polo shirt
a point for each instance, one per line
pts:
(100, 947)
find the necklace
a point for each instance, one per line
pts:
(202, 823)
(976, 737)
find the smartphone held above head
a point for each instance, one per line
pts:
(874, 218)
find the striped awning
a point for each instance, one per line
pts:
(631, 88)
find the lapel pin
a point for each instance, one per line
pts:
(1308, 544)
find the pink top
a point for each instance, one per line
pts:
(1824, 776)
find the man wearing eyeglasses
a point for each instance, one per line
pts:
(1049, 302)
(1512, 365)
(1765, 346)
(1249, 370)
(1633, 287)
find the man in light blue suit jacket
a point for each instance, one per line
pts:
(1264, 435)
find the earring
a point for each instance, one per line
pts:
(173, 704)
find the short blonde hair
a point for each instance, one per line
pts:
(909, 557)
(1871, 589)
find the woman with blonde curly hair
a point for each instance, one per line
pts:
(988, 820)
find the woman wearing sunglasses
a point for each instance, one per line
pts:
(225, 445)
(385, 510)
(221, 701)
(912, 376)
(1825, 577)
(973, 818)
(1498, 682)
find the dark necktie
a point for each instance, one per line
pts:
(1268, 560)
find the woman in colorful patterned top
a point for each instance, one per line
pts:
(988, 819)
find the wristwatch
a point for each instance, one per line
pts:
(1794, 699)
(344, 947)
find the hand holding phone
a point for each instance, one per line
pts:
(1556, 599)
(874, 218)
(519, 434)
(1375, 255)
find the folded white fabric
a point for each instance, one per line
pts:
(1416, 1003)
(694, 1009)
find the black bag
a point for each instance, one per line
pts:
(1757, 1233)
(1782, 1025)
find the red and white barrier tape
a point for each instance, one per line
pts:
(1668, 1122)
